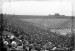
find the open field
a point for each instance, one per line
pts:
(54, 23)
(38, 30)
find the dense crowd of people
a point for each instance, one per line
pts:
(27, 37)
(12, 43)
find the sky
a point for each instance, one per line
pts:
(36, 0)
(38, 7)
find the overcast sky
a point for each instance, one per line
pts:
(38, 7)
(35, 0)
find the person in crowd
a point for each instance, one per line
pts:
(14, 44)
(12, 37)
(6, 43)
(54, 48)
(38, 47)
(30, 47)
(19, 48)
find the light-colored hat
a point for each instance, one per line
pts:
(19, 48)
(14, 43)
(12, 37)
(6, 43)
(54, 48)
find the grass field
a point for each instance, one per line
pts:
(58, 24)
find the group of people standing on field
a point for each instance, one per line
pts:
(12, 43)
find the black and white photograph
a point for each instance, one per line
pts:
(37, 25)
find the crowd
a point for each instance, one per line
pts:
(27, 37)
(12, 43)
